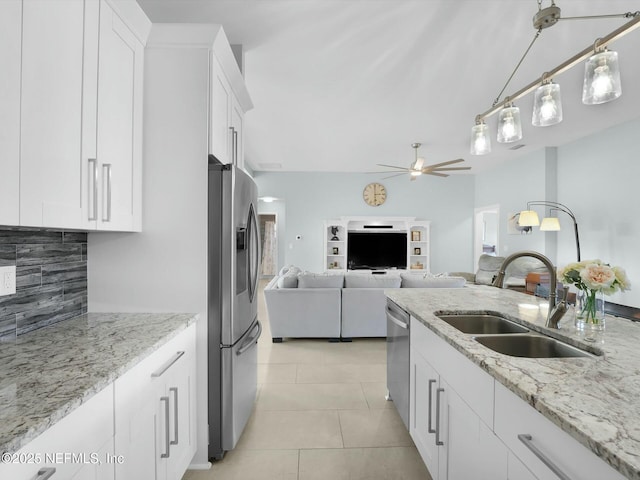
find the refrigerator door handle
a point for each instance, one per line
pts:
(254, 252)
(252, 341)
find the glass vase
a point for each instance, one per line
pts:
(590, 319)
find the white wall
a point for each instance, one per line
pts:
(164, 268)
(598, 179)
(312, 198)
(511, 185)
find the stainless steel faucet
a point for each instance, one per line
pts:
(555, 312)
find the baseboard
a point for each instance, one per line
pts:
(200, 466)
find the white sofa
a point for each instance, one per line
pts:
(337, 306)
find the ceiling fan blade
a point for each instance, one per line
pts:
(393, 166)
(418, 164)
(437, 174)
(442, 164)
(443, 169)
(391, 176)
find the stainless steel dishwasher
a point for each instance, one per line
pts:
(398, 322)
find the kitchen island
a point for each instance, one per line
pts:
(46, 374)
(594, 399)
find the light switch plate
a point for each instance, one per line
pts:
(7, 280)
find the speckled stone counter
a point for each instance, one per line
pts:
(595, 400)
(47, 373)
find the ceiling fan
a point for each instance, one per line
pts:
(418, 168)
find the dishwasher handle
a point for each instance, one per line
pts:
(397, 316)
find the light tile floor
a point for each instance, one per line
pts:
(320, 414)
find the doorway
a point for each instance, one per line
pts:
(486, 232)
(269, 238)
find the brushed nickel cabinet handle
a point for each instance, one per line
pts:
(438, 392)
(167, 365)
(175, 415)
(93, 189)
(106, 170)
(167, 441)
(429, 428)
(528, 442)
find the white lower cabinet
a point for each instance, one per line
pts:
(450, 435)
(532, 438)
(155, 413)
(467, 425)
(76, 447)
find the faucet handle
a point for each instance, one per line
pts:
(565, 295)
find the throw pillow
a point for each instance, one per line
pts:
(288, 281)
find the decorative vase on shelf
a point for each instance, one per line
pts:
(590, 313)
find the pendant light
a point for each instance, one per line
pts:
(550, 224)
(509, 126)
(601, 78)
(547, 105)
(480, 140)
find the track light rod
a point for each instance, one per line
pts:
(563, 67)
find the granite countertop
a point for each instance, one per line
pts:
(47, 373)
(595, 400)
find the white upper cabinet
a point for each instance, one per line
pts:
(51, 124)
(119, 129)
(81, 139)
(10, 41)
(229, 102)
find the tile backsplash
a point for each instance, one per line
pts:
(51, 279)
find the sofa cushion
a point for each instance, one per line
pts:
(289, 280)
(488, 267)
(372, 281)
(314, 280)
(427, 281)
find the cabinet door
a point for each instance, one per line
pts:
(237, 132)
(10, 42)
(119, 127)
(424, 383)
(181, 391)
(516, 469)
(51, 121)
(473, 451)
(221, 134)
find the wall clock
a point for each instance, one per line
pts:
(374, 194)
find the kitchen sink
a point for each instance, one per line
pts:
(483, 324)
(530, 346)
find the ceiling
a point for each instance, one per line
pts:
(341, 85)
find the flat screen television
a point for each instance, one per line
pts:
(376, 250)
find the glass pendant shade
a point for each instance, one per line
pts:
(528, 218)
(509, 126)
(601, 78)
(550, 224)
(547, 105)
(480, 140)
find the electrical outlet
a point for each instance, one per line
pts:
(7, 280)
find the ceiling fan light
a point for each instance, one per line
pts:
(547, 105)
(528, 218)
(480, 140)
(509, 125)
(601, 78)
(416, 173)
(550, 224)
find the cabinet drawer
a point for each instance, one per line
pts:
(471, 383)
(515, 417)
(78, 441)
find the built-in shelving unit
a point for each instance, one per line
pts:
(336, 235)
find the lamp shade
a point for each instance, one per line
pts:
(550, 224)
(480, 140)
(547, 106)
(509, 126)
(528, 218)
(601, 78)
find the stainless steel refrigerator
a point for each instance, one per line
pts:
(233, 326)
